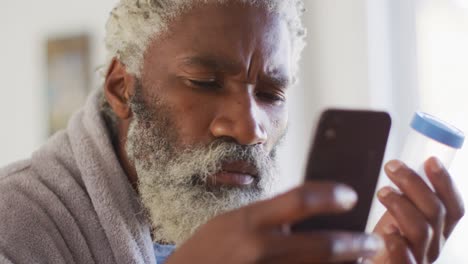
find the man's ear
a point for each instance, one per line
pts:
(119, 88)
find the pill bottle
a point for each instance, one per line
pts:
(430, 137)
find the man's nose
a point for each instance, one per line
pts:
(241, 119)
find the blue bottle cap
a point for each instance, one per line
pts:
(438, 130)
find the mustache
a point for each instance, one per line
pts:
(233, 151)
(213, 156)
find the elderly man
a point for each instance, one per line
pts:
(176, 154)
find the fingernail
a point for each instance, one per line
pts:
(368, 245)
(373, 244)
(384, 192)
(394, 165)
(436, 165)
(345, 196)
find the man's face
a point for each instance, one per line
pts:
(208, 114)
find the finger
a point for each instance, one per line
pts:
(448, 193)
(397, 250)
(321, 247)
(412, 223)
(305, 201)
(424, 199)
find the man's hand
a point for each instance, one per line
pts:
(418, 221)
(256, 233)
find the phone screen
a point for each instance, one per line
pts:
(348, 148)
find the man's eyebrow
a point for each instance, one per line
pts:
(210, 62)
(278, 80)
(222, 64)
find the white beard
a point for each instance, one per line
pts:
(172, 182)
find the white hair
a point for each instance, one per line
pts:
(134, 23)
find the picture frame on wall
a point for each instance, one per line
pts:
(68, 78)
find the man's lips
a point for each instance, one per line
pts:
(235, 174)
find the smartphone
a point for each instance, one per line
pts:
(348, 148)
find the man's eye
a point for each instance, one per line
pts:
(271, 97)
(212, 84)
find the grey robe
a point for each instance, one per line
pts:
(71, 202)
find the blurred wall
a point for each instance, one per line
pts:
(25, 27)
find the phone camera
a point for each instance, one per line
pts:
(330, 134)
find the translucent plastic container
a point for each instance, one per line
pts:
(430, 137)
